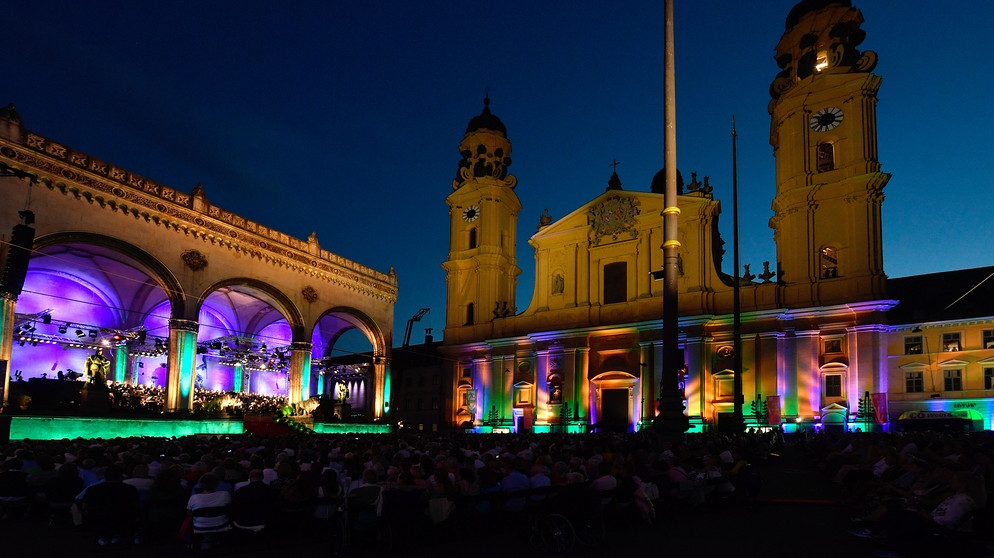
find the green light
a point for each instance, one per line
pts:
(305, 381)
(239, 374)
(53, 428)
(386, 388)
(186, 344)
(350, 428)
(58, 428)
(120, 362)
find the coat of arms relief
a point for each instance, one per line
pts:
(617, 215)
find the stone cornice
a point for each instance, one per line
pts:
(88, 179)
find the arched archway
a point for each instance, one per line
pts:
(88, 294)
(248, 336)
(155, 270)
(614, 405)
(349, 352)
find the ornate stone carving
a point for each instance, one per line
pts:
(142, 196)
(545, 219)
(767, 275)
(309, 294)
(617, 215)
(747, 277)
(194, 260)
(502, 309)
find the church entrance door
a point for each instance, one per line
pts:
(614, 410)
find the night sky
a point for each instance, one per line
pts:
(343, 118)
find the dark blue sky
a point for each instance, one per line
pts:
(344, 118)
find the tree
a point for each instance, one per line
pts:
(760, 409)
(865, 412)
(493, 417)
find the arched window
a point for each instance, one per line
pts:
(826, 157)
(470, 313)
(829, 263)
(472, 238)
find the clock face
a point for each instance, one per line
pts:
(471, 213)
(825, 119)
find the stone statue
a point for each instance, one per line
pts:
(97, 367)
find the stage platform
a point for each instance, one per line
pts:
(34, 427)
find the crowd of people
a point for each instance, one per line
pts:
(918, 493)
(282, 483)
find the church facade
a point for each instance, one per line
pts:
(823, 343)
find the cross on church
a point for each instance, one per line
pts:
(614, 166)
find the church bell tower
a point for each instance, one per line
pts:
(482, 271)
(826, 222)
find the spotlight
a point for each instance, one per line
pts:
(80, 334)
(63, 328)
(93, 334)
(46, 319)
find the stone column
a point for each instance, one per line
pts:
(387, 386)
(647, 384)
(182, 362)
(581, 398)
(300, 372)
(322, 384)
(380, 387)
(122, 365)
(488, 386)
(238, 384)
(495, 370)
(544, 412)
(7, 319)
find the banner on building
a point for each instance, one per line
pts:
(879, 401)
(773, 409)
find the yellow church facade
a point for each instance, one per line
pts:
(824, 340)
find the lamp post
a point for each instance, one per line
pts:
(671, 419)
(738, 423)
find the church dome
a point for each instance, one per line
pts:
(659, 182)
(486, 120)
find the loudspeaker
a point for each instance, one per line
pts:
(15, 269)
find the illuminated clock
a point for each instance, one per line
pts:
(825, 119)
(471, 213)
